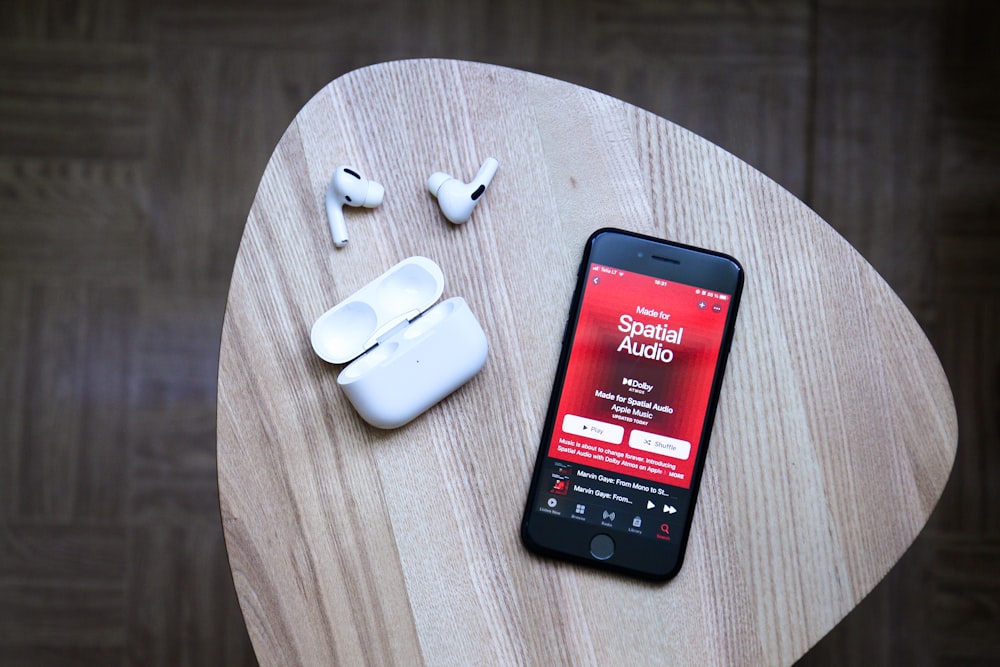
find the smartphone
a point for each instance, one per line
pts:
(635, 393)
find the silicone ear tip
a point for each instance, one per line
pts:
(374, 195)
(435, 181)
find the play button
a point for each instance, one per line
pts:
(591, 428)
(650, 504)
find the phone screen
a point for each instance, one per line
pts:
(622, 455)
(639, 376)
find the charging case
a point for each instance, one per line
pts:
(406, 357)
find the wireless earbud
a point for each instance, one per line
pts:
(457, 199)
(349, 187)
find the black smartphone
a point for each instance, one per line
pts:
(632, 406)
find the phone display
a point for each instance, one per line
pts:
(632, 405)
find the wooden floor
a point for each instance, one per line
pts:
(132, 141)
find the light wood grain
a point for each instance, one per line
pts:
(835, 434)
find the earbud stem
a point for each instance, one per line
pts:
(335, 216)
(487, 172)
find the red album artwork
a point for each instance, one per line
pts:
(639, 376)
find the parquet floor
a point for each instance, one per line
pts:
(132, 139)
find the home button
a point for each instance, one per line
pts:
(602, 547)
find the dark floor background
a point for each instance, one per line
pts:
(132, 140)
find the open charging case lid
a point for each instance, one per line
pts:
(356, 324)
(407, 354)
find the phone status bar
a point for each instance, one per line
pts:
(659, 282)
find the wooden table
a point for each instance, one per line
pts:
(835, 434)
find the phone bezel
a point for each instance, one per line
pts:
(634, 555)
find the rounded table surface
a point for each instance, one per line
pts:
(834, 437)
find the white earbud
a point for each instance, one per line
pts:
(457, 199)
(347, 186)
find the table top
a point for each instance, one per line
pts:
(835, 433)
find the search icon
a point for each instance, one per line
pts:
(665, 528)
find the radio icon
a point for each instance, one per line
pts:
(609, 516)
